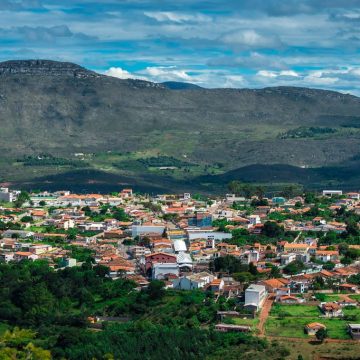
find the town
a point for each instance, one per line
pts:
(277, 267)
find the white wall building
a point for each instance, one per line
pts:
(255, 296)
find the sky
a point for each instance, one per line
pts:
(211, 43)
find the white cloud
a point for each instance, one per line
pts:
(162, 16)
(250, 39)
(119, 73)
(166, 73)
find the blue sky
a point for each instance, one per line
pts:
(212, 43)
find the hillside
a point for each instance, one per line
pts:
(59, 109)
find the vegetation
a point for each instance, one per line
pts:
(307, 132)
(56, 304)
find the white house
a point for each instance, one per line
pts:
(255, 296)
(195, 281)
(332, 192)
(160, 270)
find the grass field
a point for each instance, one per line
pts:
(249, 322)
(310, 351)
(328, 297)
(294, 310)
(290, 320)
(355, 297)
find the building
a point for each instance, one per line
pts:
(142, 230)
(161, 271)
(296, 248)
(287, 258)
(327, 255)
(332, 192)
(200, 220)
(313, 328)
(208, 235)
(232, 328)
(194, 281)
(8, 195)
(354, 331)
(331, 309)
(255, 296)
(159, 257)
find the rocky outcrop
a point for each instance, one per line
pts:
(45, 68)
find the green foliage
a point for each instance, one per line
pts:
(294, 267)
(49, 160)
(229, 264)
(306, 132)
(18, 344)
(164, 161)
(26, 219)
(22, 199)
(321, 334)
(272, 229)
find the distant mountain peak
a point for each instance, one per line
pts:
(45, 67)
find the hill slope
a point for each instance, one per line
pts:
(62, 108)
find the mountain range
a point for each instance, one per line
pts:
(54, 110)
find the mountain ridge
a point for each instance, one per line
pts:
(62, 108)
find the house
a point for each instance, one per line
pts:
(287, 258)
(201, 220)
(296, 248)
(250, 256)
(142, 230)
(272, 285)
(354, 331)
(348, 288)
(313, 328)
(332, 192)
(158, 257)
(207, 235)
(289, 300)
(25, 255)
(216, 285)
(165, 270)
(255, 296)
(327, 255)
(331, 309)
(283, 291)
(232, 328)
(194, 281)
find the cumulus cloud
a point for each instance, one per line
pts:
(120, 73)
(166, 73)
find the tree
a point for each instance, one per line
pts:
(26, 219)
(321, 334)
(294, 267)
(42, 203)
(253, 269)
(22, 199)
(290, 191)
(310, 198)
(156, 290)
(272, 229)
(234, 186)
(329, 266)
(259, 192)
(352, 228)
(275, 272)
